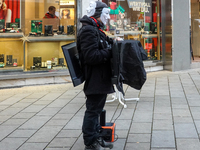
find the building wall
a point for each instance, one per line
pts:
(180, 35)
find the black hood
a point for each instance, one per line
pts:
(86, 20)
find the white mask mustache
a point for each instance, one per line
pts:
(105, 15)
(91, 9)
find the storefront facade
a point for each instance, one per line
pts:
(195, 32)
(162, 26)
(32, 43)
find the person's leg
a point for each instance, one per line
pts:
(94, 107)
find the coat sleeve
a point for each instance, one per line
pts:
(90, 48)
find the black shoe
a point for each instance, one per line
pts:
(104, 144)
(94, 146)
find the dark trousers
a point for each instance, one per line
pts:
(94, 107)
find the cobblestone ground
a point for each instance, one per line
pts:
(49, 117)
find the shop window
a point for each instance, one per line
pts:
(32, 33)
(136, 20)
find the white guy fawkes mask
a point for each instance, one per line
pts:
(105, 15)
(91, 9)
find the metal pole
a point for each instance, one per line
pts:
(158, 29)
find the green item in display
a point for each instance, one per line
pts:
(17, 20)
(121, 9)
(2, 20)
(2, 65)
(114, 12)
(147, 25)
(36, 26)
(14, 25)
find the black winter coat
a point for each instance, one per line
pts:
(95, 58)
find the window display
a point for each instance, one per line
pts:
(9, 14)
(34, 42)
(136, 20)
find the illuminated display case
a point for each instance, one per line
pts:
(32, 42)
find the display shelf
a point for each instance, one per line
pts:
(11, 35)
(56, 38)
(130, 32)
(149, 35)
(9, 69)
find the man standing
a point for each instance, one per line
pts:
(51, 13)
(95, 55)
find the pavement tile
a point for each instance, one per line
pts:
(10, 111)
(143, 116)
(28, 100)
(144, 106)
(121, 134)
(194, 102)
(75, 123)
(12, 143)
(146, 99)
(79, 144)
(40, 102)
(162, 116)
(55, 148)
(162, 125)
(33, 108)
(24, 115)
(126, 114)
(122, 124)
(140, 128)
(71, 108)
(37, 95)
(20, 104)
(45, 134)
(22, 133)
(197, 124)
(185, 130)
(10, 101)
(14, 121)
(162, 103)
(6, 130)
(59, 103)
(139, 138)
(33, 146)
(137, 146)
(62, 142)
(183, 119)
(56, 122)
(76, 100)
(48, 111)
(51, 96)
(195, 112)
(162, 149)
(188, 144)
(163, 139)
(4, 118)
(35, 122)
(63, 116)
(166, 110)
(69, 133)
(181, 112)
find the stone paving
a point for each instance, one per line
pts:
(49, 117)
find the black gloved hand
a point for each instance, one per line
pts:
(108, 46)
(109, 40)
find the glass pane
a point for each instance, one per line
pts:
(136, 20)
(49, 24)
(11, 47)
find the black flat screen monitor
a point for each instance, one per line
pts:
(71, 56)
